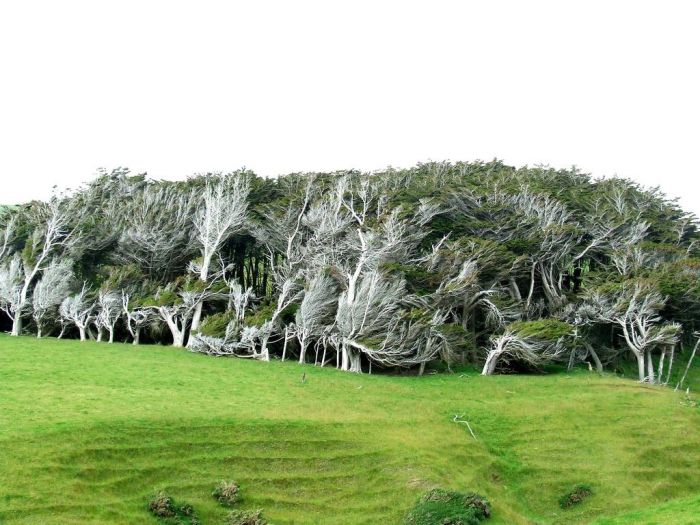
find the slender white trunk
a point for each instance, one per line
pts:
(203, 276)
(594, 356)
(302, 350)
(17, 324)
(670, 365)
(111, 335)
(660, 372)
(491, 362)
(640, 365)
(650, 367)
(83, 335)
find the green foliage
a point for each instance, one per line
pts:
(576, 495)
(443, 507)
(215, 325)
(460, 340)
(549, 330)
(227, 493)
(263, 313)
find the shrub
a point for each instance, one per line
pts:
(161, 505)
(169, 512)
(246, 517)
(575, 496)
(227, 493)
(444, 507)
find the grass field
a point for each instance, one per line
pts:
(88, 431)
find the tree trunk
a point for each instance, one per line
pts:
(178, 338)
(284, 347)
(83, 336)
(650, 367)
(137, 336)
(660, 372)
(17, 324)
(111, 335)
(594, 356)
(38, 331)
(670, 365)
(197, 316)
(640, 365)
(302, 350)
(490, 364)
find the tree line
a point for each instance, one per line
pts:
(442, 262)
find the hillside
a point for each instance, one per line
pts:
(88, 431)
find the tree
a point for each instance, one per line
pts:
(316, 311)
(6, 235)
(53, 287)
(136, 316)
(77, 310)
(46, 239)
(156, 229)
(109, 310)
(11, 276)
(533, 343)
(221, 214)
(636, 311)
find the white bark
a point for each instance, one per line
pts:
(49, 292)
(77, 310)
(223, 213)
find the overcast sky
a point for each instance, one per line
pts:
(175, 88)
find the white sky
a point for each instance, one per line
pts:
(175, 88)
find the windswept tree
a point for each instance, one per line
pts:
(156, 229)
(50, 235)
(316, 312)
(108, 311)
(221, 214)
(530, 343)
(77, 310)
(6, 234)
(635, 310)
(136, 316)
(176, 308)
(53, 287)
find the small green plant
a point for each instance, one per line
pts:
(227, 493)
(246, 517)
(444, 507)
(169, 512)
(575, 496)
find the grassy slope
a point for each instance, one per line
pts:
(88, 431)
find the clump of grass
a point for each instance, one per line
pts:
(575, 496)
(169, 512)
(246, 517)
(446, 507)
(227, 493)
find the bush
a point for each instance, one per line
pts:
(161, 505)
(246, 517)
(575, 496)
(227, 493)
(169, 512)
(443, 507)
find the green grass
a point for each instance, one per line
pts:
(89, 431)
